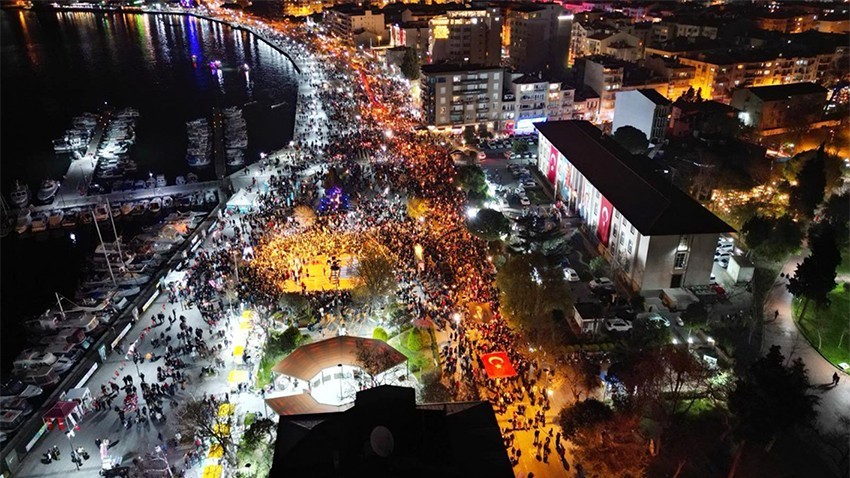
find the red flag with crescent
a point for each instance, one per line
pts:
(497, 364)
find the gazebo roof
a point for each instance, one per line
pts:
(310, 359)
(301, 404)
(60, 410)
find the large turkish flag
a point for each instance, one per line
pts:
(606, 213)
(497, 364)
(553, 165)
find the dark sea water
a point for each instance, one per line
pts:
(54, 66)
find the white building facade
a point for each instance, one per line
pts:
(655, 235)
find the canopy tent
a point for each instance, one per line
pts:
(243, 200)
(62, 414)
(308, 360)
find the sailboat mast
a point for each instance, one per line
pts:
(115, 233)
(105, 252)
(59, 301)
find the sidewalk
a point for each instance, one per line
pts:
(835, 401)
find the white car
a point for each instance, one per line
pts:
(524, 201)
(656, 319)
(619, 325)
(601, 283)
(571, 275)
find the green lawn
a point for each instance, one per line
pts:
(831, 322)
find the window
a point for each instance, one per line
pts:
(683, 243)
(631, 246)
(633, 229)
(681, 260)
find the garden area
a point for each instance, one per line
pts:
(828, 328)
(416, 345)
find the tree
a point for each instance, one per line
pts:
(202, 418)
(414, 340)
(814, 278)
(811, 181)
(583, 376)
(374, 361)
(418, 208)
(771, 398)
(519, 147)
(489, 225)
(772, 238)
(585, 416)
(282, 343)
(836, 212)
(785, 238)
(469, 135)
(631, 138)
(605, 442)
(471, 179)
(304, 216)
(533, 295)
(598, 266)
(253, 449)
(410, 64)
(756, 230)
(380, 334)
(376, 270)
(722, 125)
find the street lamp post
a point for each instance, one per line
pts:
(70, 434)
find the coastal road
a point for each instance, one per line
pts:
(835, 401)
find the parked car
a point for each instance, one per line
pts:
(529, 183)
(656, 319)
(601, 283)
(619, 325)
(523, 200)
(571, 275)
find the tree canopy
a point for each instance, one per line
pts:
(631, 138)
(410, 64)
(811, 181)
(772, 397)
(533, 294)
(489, 225)
(471, 179)
(772, 238)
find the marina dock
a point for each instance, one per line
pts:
(75, 184)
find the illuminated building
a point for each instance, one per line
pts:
(780, 107)
(358, 25)
(719, 73)
(466, 36)
(655, 235)
(454, 96)
(533, 29)
(679, 76)
(787, 21)
(646, 110)
(530, 99)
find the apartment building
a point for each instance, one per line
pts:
(466, 36)
(411, 35)
(529, 99)
(683, 28)
(605, 76)
(655, 235)
(533, 29)
(679, 77)
(586, 105)
(720, 73)
(357, 25)
(774, 109)
(646, 110)
(787, 21)
(454, 96)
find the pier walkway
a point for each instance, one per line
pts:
(75, 184)
(124, 196)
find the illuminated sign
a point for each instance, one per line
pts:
(441, 32)
(526, 125)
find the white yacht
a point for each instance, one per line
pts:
(48, 190)
(20, 195)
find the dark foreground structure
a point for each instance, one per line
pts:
(386, 434)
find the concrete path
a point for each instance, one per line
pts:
(835, 401)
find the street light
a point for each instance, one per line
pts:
(70, 434)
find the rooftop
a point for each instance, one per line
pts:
(436, 68)
(647, 200)
(386, 434)
(654, 96)
(781, 92)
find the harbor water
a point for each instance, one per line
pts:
(58, 65)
